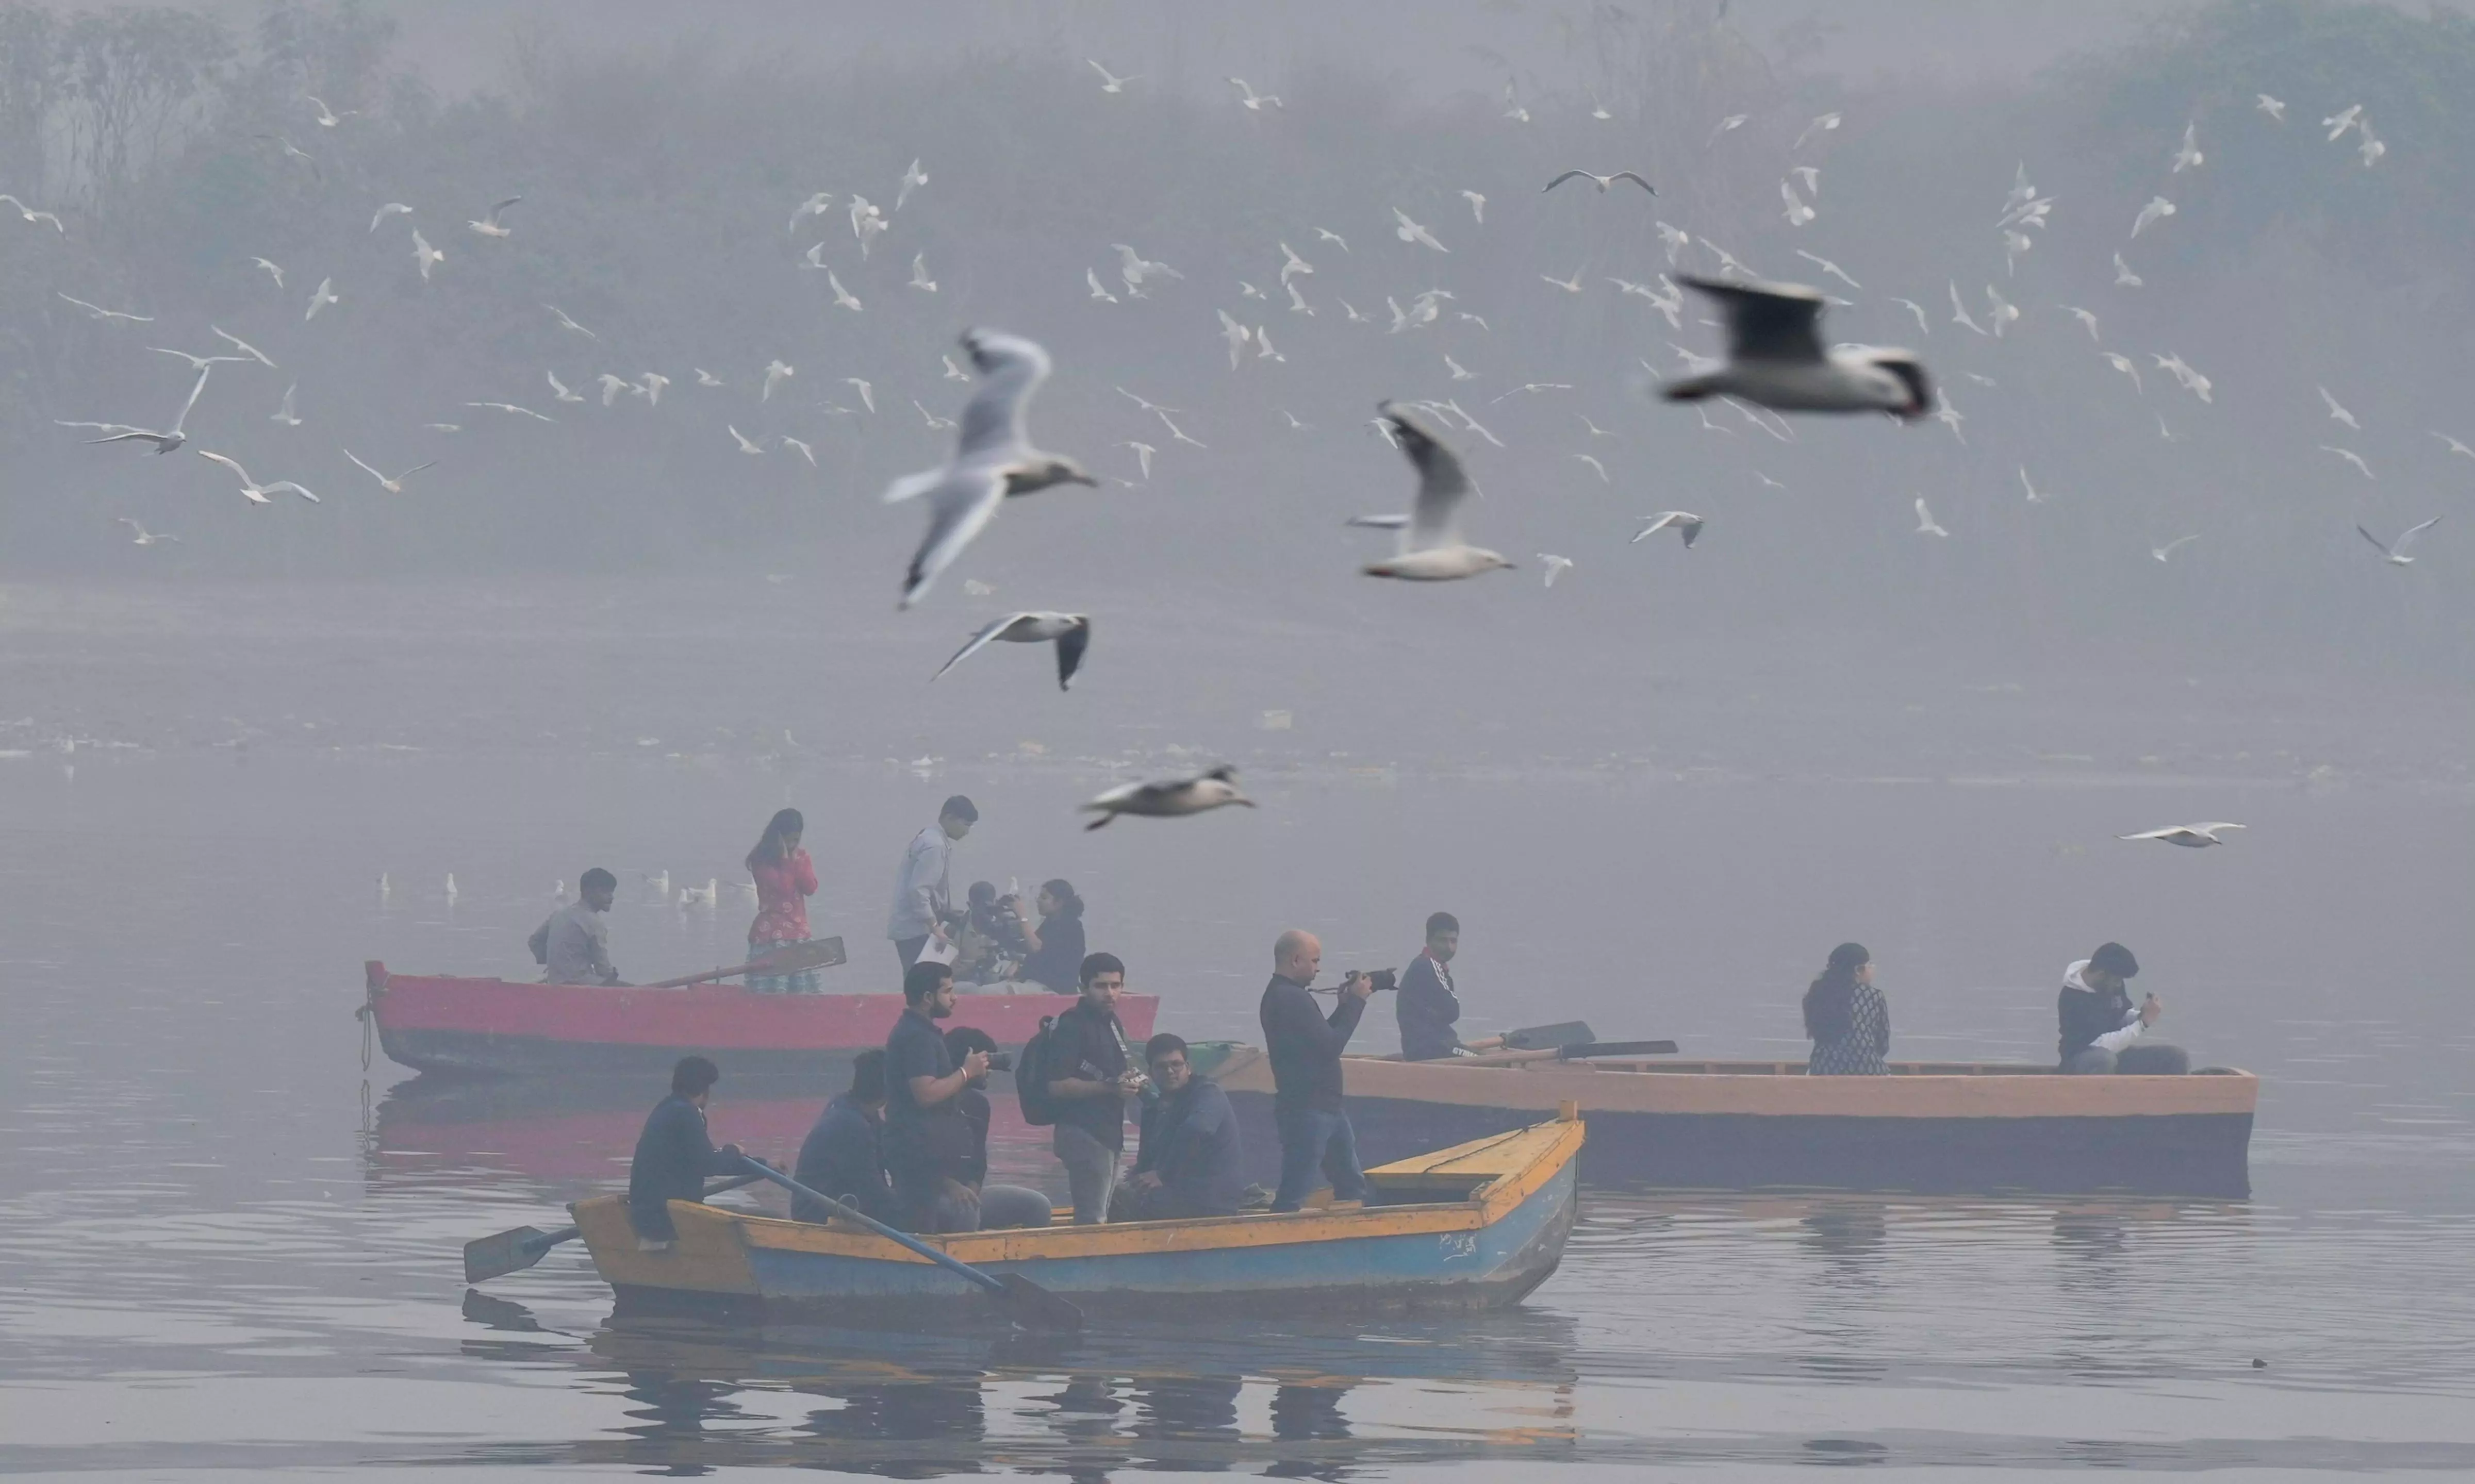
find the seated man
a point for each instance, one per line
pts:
(988, 945)
(1190, 1162)
(573, 946)
(966, 1201)
(2101, 1025)
(844, 1155)
(674, 1154)
(1428, 1002)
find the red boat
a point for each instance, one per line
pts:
(439, 1024)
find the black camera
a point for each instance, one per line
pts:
(1001, 1061)
(1384, 979)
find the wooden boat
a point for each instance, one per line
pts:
(440, 1023)
(1474, 1227)
(1928, 1126)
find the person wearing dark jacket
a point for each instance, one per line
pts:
(1090, 1080)
(966, 1200)
(674, 1154)
(844, 1155)
(2101, 1025)
(1428, 1002)
(1847, 1017)
(921, 1081)
(1190, 1162)
(1305, 1046)
(1056, 946)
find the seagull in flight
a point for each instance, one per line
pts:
(424, 256)
(394, 486)
(1236, 334)
(1596, 431)
(164, 442)
(565, 321)
(1553, 566)
(746, 446)
(244, 347)
(2085, 316)
(502, 407)
(1291, 264)
(776, 374)
(139, 535)
(98, 312)
(2128, 367)
(253, 491)
(391, 209)
(1135, 268)
(1326, 234)
(1477, 205)
(1091, 276)
(1175, 432)
(33, 215)
(1776, 358)
(489, 226)
(1685, 523)
(1926, 524)
(1959, 312)
(994, 457)
(1602, 181)
(1411, 231)
(2339, 123)
(2124, 276)
(1253, 100)
(2034, 498)
(844, 298)
(813, 205)
(1175, 800)
(1571, 285)
(912, 180)
(1830, 267)
(292, 151)
(284, 414)
(325, 294)
(1110, 83)
(559, 388)
(2275, 107)
(1143, 452)
(1798, 213)
(2397, 552)
(2157, 210)
(611, 387)
(1596, 467)
(867, 391)
(2350, 457)
(328, 119)
(2339, 413)
(1432, 548)
(273, 270)
(2189, 155)
(1732, 121)
(1297, 301)
(2455, 446)
(1070, 632)
(2192, 836)
(1675, 240)
(805, 451)
(1919, 310)
(199, 362)
(2166, 551)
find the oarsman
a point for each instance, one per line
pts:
(674, 1154)
(1305, 1047)
(573, 945)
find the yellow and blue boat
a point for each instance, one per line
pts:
(1474, 1227)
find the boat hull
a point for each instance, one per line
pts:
(1486, 1250)
(1746, 1125)
(500, 1027)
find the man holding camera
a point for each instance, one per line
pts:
(1305, 1046)
(923, 1126)
(1088, 1046)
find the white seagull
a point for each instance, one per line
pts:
(1926, 524)
(912, 180)
(2396, 553)
(559, 388)
(920, 279)
(1252, 99)
(1091, 276)
(611, 387)
(284, 414)
(776, 374)
(1830, 267)
(2084, 316)
(391, 209)
(325, 294)
(489, 226)
(1235, 333)
(2166, 551)
(1213, 789)
(244, 347)
(566, 322)
(424, 254)
(867, 391)
(813, 205)
(2351, 457)
(2455, 446)
(328, 119)
(1602, 181)
(1592, 459)
(1776, 358)
(1553, 567)
(98, 312)
(1476, 204)
(2275, 107)
(1110, 83)
(1411, 231)
(2034, 498)
(1432, 548)
(165, 441)
(805, 451)
(2189, 154)
(1072, 632)
(2157, 210)
(273, 270)
(1685, 523)
(2337, 413)
(994, 457)
(2124, 276)
(844, 298)
(1798, 213)
(394, 486)
(2192, 836)
(140, 536)
(253, 491)
(1959, 312)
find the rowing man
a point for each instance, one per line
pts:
(573, 946)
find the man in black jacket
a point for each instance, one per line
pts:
(844, 1155)
(674, 1154)
(2101, 1029)
(1090, 1082)
(1305, 1046)
(1190, 1162)
(1428, 1004)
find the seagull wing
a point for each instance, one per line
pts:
(1011, 369)
(364, 468)
(1627, 175)
(284, 485)
(195, 388)
(1442, 482)
(1775, 322)
(234, 465)
(1562, 179)
(2413, 531)
(1070, 645)
(961, 504)
(2374, 540)
(990, 633)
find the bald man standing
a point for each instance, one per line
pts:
(1305, 1047)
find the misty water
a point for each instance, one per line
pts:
(230, 1246)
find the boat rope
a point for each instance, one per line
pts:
(368, 1017)
(1455, 1156)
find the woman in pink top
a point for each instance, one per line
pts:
(785, 879)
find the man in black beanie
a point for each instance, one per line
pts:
(2101, 1026)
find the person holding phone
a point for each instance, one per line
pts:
(2102, 1029)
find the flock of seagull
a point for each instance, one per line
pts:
(1776, 360)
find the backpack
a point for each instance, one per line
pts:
(1032, 1077)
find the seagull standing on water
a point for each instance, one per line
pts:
(1072, 632)
(1776, 358)
(994, 457)
(1432, 548)
(1213, 789)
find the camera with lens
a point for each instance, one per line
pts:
(1001, 1061)
(1384, 979)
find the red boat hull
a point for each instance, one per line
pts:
(494, 1026)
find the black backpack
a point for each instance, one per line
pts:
(1032, 1077)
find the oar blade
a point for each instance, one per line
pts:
(820, 953)
(1035, 1307)
(1618, 1049)
(504, 1253)
(1567, 1033)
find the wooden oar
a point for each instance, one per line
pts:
(515, 1250)
(1563, 1032)
(1567, 1053)
(1031, 1306)
(821, 953)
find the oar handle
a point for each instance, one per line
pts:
(953, 1265)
